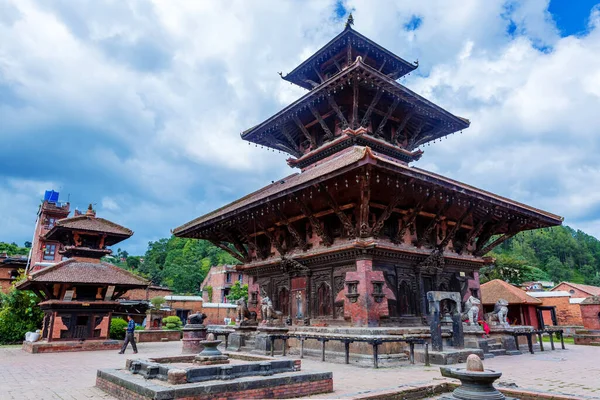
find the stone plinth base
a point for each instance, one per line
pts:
(62, 346)
(123, 385)
(157, 335)
(192, 336)
(447, 356)
(263, 341)
(587, 337)
(243, 336)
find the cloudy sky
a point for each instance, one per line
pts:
(137, 106)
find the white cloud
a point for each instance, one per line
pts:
(153, 95)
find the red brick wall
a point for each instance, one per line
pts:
(290, 390)
(566, 313)
(142, 294)
(590, 314)
(217, 279)
(567, 288)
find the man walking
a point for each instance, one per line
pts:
(129, 336)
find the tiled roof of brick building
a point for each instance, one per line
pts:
(91, 223)
(497, 289)
(75, 271)
(592, 290)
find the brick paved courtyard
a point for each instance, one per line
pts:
(575, 371)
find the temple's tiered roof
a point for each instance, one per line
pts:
(334, 55)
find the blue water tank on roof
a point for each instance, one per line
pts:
(51, 196)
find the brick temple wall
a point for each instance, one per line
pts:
(590, 315)
(567, 314)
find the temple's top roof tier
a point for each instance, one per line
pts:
(358, 103)
(87, 235)
(341, 51)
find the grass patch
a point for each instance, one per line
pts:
(568, 340)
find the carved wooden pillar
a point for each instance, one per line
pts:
(365, 198)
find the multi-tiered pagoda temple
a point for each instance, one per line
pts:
(358, 236)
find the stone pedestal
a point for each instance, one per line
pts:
(241, 337)
(263, 340)
(193, 334)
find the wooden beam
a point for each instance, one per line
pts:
(318, 73)
(337, 110)
(227, 249)
(290, 139)
(348, 226)
(272, 239)
(382, 64)
(495, 243)
(433, 223)
(365, 197)
(315, 113)
(239, 246)
(355, 103)
(376, 229)
(316, 121)
(251, 245)
(486, 234)
(295, 234)
(390, 110)
(474, 232)
(314, 222)
(367, 117)
(450, 235)
(300, 125)
(409, 219)
(402, 125)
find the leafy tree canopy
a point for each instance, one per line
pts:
(237, 291)
(13, 249)
(553, 254)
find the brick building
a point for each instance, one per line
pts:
(183, 306)
(577, 290)
(568, 312)
(80, 294)
(10, 268)
(45, 251)
(521, 306)
(220, 278)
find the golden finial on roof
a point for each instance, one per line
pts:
(350, 21)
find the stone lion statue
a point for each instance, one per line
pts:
(499, 313)
(268, 313)
(471, 312)
(244, 315)
(196, 319)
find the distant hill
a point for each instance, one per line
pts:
(555, 254)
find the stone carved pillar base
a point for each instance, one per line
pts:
(193, 334)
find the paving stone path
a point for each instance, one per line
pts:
(575, 371)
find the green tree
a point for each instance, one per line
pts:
(133, 262)
(237, 291)
(19, 314)
(117, 328)
(12, 249)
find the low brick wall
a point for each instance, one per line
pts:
(58, 347)
(157, 335)
(280, 386)
(587, 337)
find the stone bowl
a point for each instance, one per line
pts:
(474, 384)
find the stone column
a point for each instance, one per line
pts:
(193, 334)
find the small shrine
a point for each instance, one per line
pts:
(80, 293)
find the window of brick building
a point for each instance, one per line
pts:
(240, 278)
(49, 251)
(228, 277)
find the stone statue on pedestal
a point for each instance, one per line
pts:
(196, 319)
(471, 312)
(499, 313)
(245, 317)
(269, 314)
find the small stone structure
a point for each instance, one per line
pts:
(193, 335)
(435, 298)
(471, 312)
(590, 314)
(476, 382)
(211, 354)
(498, 317)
